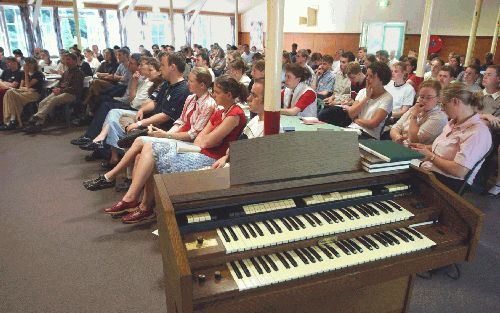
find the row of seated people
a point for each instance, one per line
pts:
(451, 158)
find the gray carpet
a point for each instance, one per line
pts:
(59, 253)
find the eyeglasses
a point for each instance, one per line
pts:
(426, 97)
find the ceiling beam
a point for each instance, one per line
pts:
(123, 4)
(195, 5)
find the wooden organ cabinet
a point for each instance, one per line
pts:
(272, 234)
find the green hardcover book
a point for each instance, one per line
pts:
(388, 150)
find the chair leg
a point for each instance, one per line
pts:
(67, 115)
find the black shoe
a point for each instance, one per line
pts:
(9, 126)
(98, 183)
(124, 186)
(128, 140)
(93, 145)
(82, 140)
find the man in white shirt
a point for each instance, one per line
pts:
(91, 60)
(247, 55)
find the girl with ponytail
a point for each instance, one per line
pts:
(464, 141)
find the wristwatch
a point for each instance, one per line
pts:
(433, 157)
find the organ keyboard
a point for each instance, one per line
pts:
(351, 241)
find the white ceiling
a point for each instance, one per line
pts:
(222, 6)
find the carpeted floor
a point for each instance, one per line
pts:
(59, 253)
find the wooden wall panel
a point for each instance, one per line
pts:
(328, 43)
(457, 44)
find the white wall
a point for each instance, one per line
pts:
(450, 17)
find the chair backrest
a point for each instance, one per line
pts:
(385, 123)
(320, 103)
(462, 189)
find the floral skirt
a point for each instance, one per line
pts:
(169, 161)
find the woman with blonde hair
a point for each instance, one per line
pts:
(465, 140)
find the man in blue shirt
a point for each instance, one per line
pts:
(324, 80)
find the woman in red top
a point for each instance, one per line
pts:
(224, 126)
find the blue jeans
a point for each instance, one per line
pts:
(115, 129)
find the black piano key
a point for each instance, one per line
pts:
(309, 220)
(269, 227)
(343, 248)
(244, 231)
(331, 215)
(264, 264)
(316, 219)
(224, 234)
(250, 230)
(298, 221)
(387, 207)
(287, 225)
(389, 234)
(257, 228)
(290, 259)
(332, 250)
(363, 211)
(348, 245)
(406, 234)
(370, 208)
(244, 268)
(326, 217)
(236, 270)
(381, 208)
(414, 232)
(381, 240)
(387, 238)
(276, 226)
(326, 252)
(270, 261)
(402, 237)
(301, 256)
(282, 260)
(340, 217)
(370, 241)
(257, 266)
(355, 245)
(365, 243)
(233, 234)
(349, 216)
(353, 213)
(308, 255)
(293, 222)
(394, 204)
(315, 254)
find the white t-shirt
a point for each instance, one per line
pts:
(401, 96)
(254, 128)
(245, 80)
(383, 102)
(94, 64)
(212, 74)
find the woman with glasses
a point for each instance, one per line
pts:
(425, 120)
(465, 140)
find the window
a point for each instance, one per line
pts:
(15, 29)
(159, 25)
(113, 29)
(179, 31)
(383, 36)
(91, 31)
(49, 36)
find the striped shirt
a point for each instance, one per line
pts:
(196, 114)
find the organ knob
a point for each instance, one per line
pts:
(201, 278)
(218, 275)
